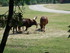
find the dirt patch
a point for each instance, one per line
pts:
(33, 34)
(40, 35)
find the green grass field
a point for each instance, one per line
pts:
(53, 40)
(59, 6)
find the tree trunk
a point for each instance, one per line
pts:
(8, 27)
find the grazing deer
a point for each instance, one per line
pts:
(43, 22)
(28, 23)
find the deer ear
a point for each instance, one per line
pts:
(35, 18)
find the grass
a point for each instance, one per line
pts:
(59, 6)
(51, 45)
(3, 10)
(54, 40)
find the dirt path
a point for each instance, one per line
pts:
(43, 9)
(40, 35)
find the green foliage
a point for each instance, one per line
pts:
(5, 2)
(33, 1)
(27, 1)
(19, 2)
(3, 19)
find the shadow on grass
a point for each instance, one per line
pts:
(40, 30)
(69, 36)
(69, 26)
(69, 31)
(27, 32)
(19, 33)
(24, 32)
(46, 52)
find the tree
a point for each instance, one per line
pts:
(4, 2)
(33, 2)
(8, 27)
(61, 1)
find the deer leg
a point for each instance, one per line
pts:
(18, 29)
(41, 27)
(26, 28)
(23, 28)
(13, 29)
(44, 28)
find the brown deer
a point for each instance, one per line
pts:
(43, 22)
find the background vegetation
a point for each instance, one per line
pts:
(5, 2)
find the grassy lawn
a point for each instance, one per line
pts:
(51, 45)
(54, 40)
(59, 6)
(3, 10)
